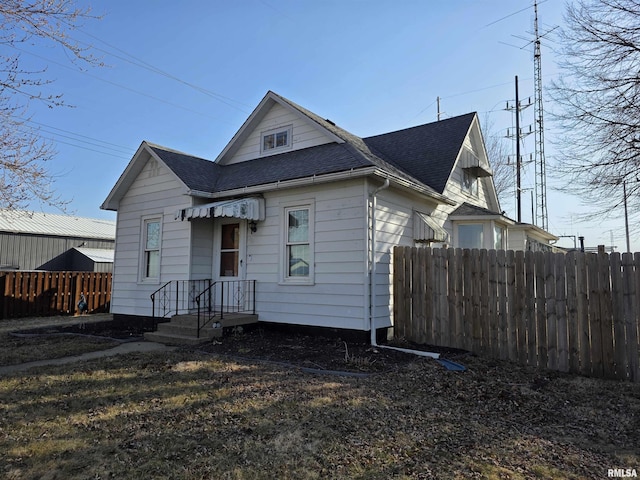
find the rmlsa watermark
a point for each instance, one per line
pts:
(622, 473)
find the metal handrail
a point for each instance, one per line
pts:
(164, 295)
(236, 296)
(183, 292)
(206, 295)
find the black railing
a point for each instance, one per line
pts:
(175, 297)
(231, 296)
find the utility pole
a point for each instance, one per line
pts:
(518, 161)
(517, 136)
(626, 215)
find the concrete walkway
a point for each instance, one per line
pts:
(128, 347)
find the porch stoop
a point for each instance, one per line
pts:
(183, 329)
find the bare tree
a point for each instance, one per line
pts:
(597, 103)
(498, 151)
(24, 155)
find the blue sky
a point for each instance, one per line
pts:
(187, 74)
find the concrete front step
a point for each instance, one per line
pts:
(183, 329)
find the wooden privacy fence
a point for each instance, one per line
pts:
(575, 312)
(30, 294)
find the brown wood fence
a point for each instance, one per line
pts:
(575, 312)
(31, 294)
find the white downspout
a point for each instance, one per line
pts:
(372, 280)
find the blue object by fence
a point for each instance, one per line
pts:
(449, 365)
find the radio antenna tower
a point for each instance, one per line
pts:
(542, 219)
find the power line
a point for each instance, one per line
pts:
(113, 146)
(147, 66)
(124, 87)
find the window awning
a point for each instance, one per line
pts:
(426, 229)
(247, 208)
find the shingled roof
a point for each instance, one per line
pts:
(426, 152)
(423, 155)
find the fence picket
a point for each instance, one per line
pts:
(417, 298)
(575, 312)
(510, 313)
(467, 299)
(501, 301)
(562, 327)
(452, 294)
(492, 300)
(595, 320)
(53, 293)
(443, 302)
(632, 320)
(617, 298)
(519, 311)
(399, 292)
(551, 344)
(606, 315)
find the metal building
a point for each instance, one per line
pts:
(45, 241)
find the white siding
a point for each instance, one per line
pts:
(336, 298)
(394, 226)
(154, 193)
(305, 134)
(516, 239)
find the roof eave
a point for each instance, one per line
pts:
(132, 170)
(496, 217)
(326, 178)
(258, 113)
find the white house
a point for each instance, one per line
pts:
(307, 210)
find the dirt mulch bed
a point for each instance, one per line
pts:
(317, 352)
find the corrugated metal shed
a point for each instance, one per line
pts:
(38, 223)
(98, 255)
(44, 241)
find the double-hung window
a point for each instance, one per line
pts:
(298, 244)
(151, 250)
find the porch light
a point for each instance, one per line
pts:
(253, 226)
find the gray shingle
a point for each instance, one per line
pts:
(427, 152)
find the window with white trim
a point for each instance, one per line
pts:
(298, 244)
(471, 235)
(274, 140)
(498, 237)
(469, 183)
(151, 249)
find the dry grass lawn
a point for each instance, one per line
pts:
(189, 415)
(16, 349)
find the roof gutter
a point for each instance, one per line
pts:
(373, 283)
(325, 178)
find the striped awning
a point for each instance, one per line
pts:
(251, 208)
(426, 229)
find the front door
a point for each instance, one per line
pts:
(230, 261)
(230, 265)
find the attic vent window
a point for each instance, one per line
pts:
(275, 140)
